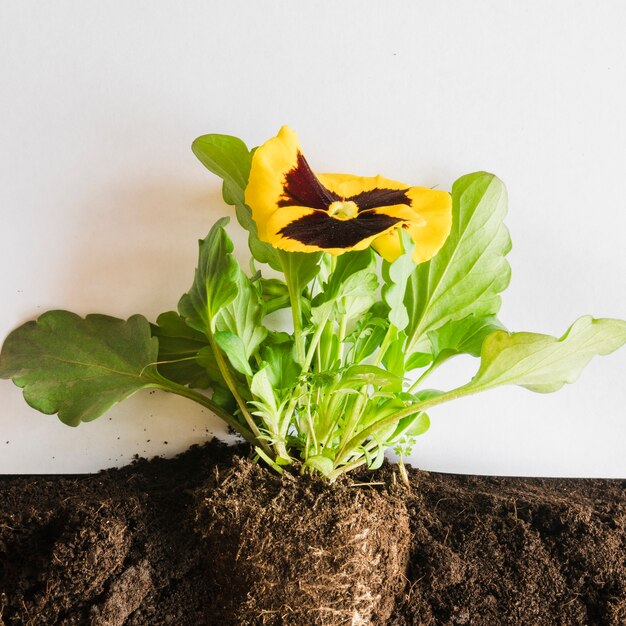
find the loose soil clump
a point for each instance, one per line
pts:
(299, 552)
(187, 542)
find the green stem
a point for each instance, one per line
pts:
(388, 338)
(424, 375)
(351, 424)
(312, 431)
(190, 394)
(313, 345)
(342, 335)
(418, 407)
(296, 310)
(232, 385)
(346, 468)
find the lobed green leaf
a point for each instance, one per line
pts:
(79, 368)
(543, 363)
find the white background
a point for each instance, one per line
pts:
(102, 201)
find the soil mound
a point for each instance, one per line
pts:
(156, 543)
(303, 551)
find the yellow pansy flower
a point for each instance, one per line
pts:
(299, 211)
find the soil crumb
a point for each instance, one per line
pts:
(185, 542)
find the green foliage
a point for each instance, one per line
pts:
(396, 276)
(229, 158)
(240, 324)
(464, 336)
(79, 368)
(179, 349)
(350, 290)
(215, 283)
(469, 272)
(543, 363)
(332, 393)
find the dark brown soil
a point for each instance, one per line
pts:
(208, 539)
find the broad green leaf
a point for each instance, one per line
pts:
(396, 276)
(464, 336)
(342, 280)
(179, 346)
(351, 288)
(282, 370)
(417, 360)
(235, 350)
(192, 361)
(267, 407)
(243, 318)
(544, 363)
(215, 281)
(79, 368)
(469, 272)
(229, 158)
(410, 426)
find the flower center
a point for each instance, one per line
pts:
(343, 210)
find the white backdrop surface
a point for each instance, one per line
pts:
(102, 201)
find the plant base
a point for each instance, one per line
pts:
(304, 552)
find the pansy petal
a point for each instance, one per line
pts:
(402, 212)
(295, 209)
(306, 230)
(281, 177)
(435, 209)
(347, 185)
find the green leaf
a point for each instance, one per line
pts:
(282, 370)
(179, 347)
(274, 295)
(235, 350)
(357, 376)
(396, 276)
(321, 463)
(544, 363)
(299, 268)
(464, 336)
(262, 388)
(366, 337)
(268, 409)
(79, 368)
(229, 158)
(243, 318)
(215, 281)
(470, 271)
(351, 288)
(394, 357)
(410, 427)
(417, 360)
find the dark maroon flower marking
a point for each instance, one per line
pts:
(377, 198)
(302, 188)
(323, 231)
